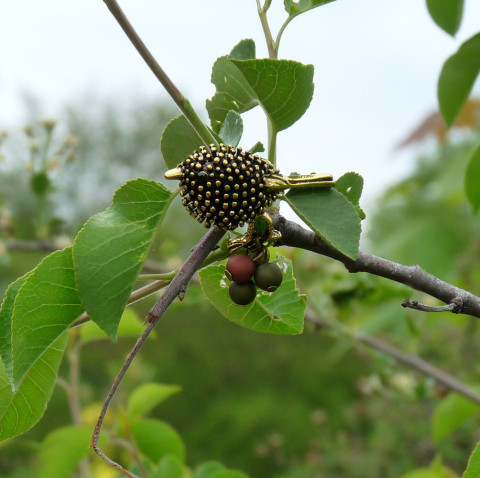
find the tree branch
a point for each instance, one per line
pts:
(411, 361)
(178, 284)
(415, 277)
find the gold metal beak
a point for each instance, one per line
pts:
(174, 174)
(278, 182)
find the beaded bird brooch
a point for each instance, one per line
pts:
(228, 187)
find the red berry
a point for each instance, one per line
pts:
(240, 268)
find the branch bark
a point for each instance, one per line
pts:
(294, 235)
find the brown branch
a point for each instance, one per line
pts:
(415, 277)
(455, 306)
(411, 361)
(178, 284)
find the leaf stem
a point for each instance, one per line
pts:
(262, 13)
(181, 101)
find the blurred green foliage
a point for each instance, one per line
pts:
(310, 406)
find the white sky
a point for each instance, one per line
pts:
(376, 67)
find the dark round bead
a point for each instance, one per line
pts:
(240, 268)
(268, 276)
(242, 294)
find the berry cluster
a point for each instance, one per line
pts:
(225, 187)
(241, 269)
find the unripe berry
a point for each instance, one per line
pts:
(240, 268)
(268, 276)
(242, 294)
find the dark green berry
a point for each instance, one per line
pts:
(242, 294)
(268, 276)
(240, 268)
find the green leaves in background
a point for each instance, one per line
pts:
(213, 469)
(294, 8)
(178, 141)
(170, 467)
(457, 78)
(450, 414)
(62, 449)
(279, 313)
(147, 396)
(155, 439)
(330, 215)
(447, 14)
(110, 250)
(473, 468)
(232, 90)
(472, 180)
(20, 410)
(232, 128)
(45, 307)
(351, 186)
(283, 88)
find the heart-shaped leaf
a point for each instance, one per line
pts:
(457, 78)
(351, 186)
(447, 14)
(281, 312)
(178, 141)
(45, 307)
(472, 180)
(330, 215)
(232, 129)
(21, 409)
(284, 88)
(233, 93)
(109, 251)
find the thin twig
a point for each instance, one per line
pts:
(181, 101)
(411, 361)
(185, 273)
(414, 277)
(455, 306)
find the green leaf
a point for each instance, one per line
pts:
(473, 467)
(155, 439)
(279, 313)
(284, 88)
(294, 8)
(257, 148)
(229, 474)
(472, 180)
(351, 186)
(330, 215)
(243, 50)
(110, 250)
(208, 469)
(20, 410)
(45, 307)
(450, 414)
(62, 449)
(457, 77)
(178, 141)
(447, 14)
(232, 90)
(130, 326)
(147, 396)
(170, 467)
(6, 313)
(232, 129)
